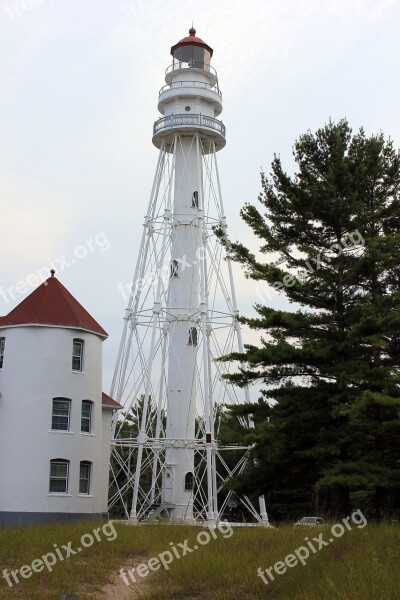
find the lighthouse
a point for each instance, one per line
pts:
(182, 315)
(189, 103)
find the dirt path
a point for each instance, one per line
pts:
(117, 589)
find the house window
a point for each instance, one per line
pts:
(188, 481)
(192, 336)
(77, 355)
(174, 268)
(59, 476)
(84, 477)
(86, 416)
(195, 200)
(2, 344)
(61, 414)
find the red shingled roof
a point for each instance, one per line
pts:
(108, 402)
(52, 304)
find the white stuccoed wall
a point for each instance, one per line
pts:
(37, 368)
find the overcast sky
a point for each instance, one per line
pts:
(79, 82)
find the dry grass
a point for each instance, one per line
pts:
(361, 565)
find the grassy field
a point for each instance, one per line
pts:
(361, 564)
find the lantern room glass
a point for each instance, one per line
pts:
(192, 57)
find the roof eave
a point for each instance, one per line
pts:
(76, 327)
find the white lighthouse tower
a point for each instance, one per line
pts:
(181, 315)
(190, 104)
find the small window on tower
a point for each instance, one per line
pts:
(174, 268)
(195, 200)
(86, 416)
(85, 471)
(77, 355)
(193, 336)
(188, 481)
(59, 476)
(2, 344)
(60, 418)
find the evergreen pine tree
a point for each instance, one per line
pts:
(328, 434)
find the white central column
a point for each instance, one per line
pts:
(183, 315)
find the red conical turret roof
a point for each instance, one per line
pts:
(52, 304)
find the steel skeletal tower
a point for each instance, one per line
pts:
(181, 316)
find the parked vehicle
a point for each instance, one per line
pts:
(309, 522)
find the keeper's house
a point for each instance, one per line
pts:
(55, 422)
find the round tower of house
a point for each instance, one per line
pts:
(54, 443)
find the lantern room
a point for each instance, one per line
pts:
(191, 52)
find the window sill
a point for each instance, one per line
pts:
(87, 434)
(59, 494)
(78, 372)
(60, 431)
(85, 496)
